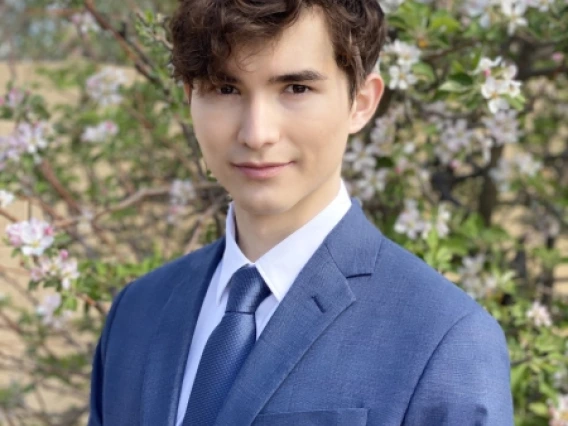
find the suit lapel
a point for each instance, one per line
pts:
(169, 346)
(317, 297)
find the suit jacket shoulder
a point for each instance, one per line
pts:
(411, 285)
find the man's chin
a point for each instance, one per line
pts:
(262, 207)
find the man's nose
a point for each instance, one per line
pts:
(259, 124)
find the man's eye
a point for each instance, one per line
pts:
(299, 89)
(225, 90)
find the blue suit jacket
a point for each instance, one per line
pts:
(368, 334)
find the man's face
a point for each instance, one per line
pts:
(276, 143)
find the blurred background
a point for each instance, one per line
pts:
(101, 180)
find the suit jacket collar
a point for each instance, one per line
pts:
(318, 296)
(172, 335)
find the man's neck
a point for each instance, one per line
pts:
(257, 234)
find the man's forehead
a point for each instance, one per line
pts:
(306, 43)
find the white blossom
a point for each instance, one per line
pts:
(503, 174)
(33, 237)
(457, 135)
(34, 137)
(442, 221)
(507, 170)
(100, 133)
(493, 90)
(503, 127)
(410, 222)
(401, 77)
(85, 22)
(514, 11)
(559, 412)
(473, 279)
(437, 113)
(11, 149)
(61, 268)
(480, 9)
(454, 139)
(486, 65)
(402, 164)
(6, 198)
(47, 309)
(526, 164)
(182, 192)
(50, 303)
(373, 181)
(104, 87)
(539, 315)
(513, 86)
(383, 134)
(406, 53)
(361, 156)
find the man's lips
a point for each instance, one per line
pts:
(261, 170)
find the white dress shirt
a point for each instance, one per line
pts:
(279, 268)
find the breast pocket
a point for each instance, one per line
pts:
(338, 417)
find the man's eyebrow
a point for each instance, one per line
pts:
(291, 77)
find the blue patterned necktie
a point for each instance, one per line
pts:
(227, 348)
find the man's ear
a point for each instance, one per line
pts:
(366, 101)
(187, 89)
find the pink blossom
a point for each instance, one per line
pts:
(33, 237)
(47, 311)
(558, 57)
(50, 303)
(100, 133)
(11, 149)
(15, 98)
(66, 270)
(14, 232)
(104, 87)
(61, 268)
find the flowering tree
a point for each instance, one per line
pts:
(465, 164)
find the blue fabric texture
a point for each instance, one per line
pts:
(227, 348)
(368, 334)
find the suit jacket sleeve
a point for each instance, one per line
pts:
(467, 379)
(97, 374)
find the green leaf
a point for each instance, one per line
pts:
(519, 375)
(539, 408)
(441, 20)
(462, 78)
(422, 69)
(453, 87)
(457, 83)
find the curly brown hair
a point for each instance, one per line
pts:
(204, 33)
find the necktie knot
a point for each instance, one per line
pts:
(247, 290)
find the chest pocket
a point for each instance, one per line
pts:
(339, 417)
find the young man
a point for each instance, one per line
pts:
(304, 313)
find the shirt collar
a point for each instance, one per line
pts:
(280, 266)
